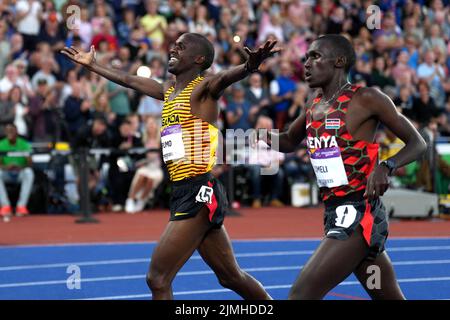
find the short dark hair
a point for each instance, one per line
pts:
(205, 47)
(341, 47)
(423, 82)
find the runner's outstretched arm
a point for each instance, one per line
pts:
(147, 86)
(219, 82)
(384, 109)
(288, 141)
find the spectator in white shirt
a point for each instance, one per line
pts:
(28, 21)
(45, 72)
(263, 157)
(257, 95)
(20, 111)
(5, 46)
(434, 75)
(10, 80)
(24, 80)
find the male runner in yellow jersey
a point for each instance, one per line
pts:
(189, 139)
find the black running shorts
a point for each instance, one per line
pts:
(343, 215)
(190, 195)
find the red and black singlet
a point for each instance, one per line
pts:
(342, 164)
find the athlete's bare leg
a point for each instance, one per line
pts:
(217, 252)
(389, 288)
(178, 241)
(330, 264)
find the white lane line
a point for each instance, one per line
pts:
(139, 276)
(420, 262)
(197, 257)
(53, 282)
(146, 260)
(406, 280)
(198, 273)
(79, 263)
(418, 248)
(275, 287)
(181, 293)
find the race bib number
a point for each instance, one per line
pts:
(204, 195)
(328, 167)
(172, 143)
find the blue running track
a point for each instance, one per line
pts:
(117, 271)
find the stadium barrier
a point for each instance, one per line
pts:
(43, 153)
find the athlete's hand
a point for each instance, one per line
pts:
(377, 183)
(78, 56)
(256, 57)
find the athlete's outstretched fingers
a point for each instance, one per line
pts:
(378, 279)
(70, 50)
(217, 252)
(273, 45)
(67, 52)
(179, 240)
(330, 264)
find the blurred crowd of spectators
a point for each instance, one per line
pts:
(51, 99)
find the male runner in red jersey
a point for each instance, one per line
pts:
(339, 122)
